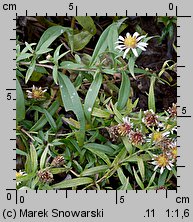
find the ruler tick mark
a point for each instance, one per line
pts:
(184, 116)
(66, 194)
(184, 16)
(116, 197)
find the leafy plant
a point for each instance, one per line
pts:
(79, 122)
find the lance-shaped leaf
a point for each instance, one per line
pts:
(72, 102)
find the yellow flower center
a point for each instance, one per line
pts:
(162, 160)
(157, 136)
(18, 174)
(174, 152)
(37, 94)
(130, 42)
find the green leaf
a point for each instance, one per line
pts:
(151, 96)
(121, 176)
(138, 180)
(87, 23)
(72, 183)
(30, 69)
(57, 53)
(72, 102)
(99, 154)
(43, 120)
(50, 120)
(127, 144)
(162, 178)
(23, 56)
(121, 155)
(49, 36)
(81, 40)
(112, 37)
(146, 157)
(43, 157)
(94, 170)
(20, 103)
(70, 65)
(21, 152)
(55, 74)
(100, 147)
(151, 179)
(28, 47)
(141, 167)
(58, 170)
(36, 76)
(101, 45)
(100, 113)
(31, 164)
(92, 95)
(131, 65)
(124, 92)
(43, 51)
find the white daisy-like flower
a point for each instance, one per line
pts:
(125, 128)
(36, 93)
(131, 42)
(150, 119)
(158, 136)
(162, 161)
(19, 175)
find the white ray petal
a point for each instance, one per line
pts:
(143, 44)
(140, 37)
(121, 38)
(168, 167)
(162, 170)
(136, 34)
(141, 47)
(135, 52)
(125, 53)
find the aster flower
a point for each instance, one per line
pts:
(19, 175)
(174, 152)
(173, 110)
(125, 128)
(131, 42)
(36, 93)
(136, 138)
(58, 161)
(165, 144)
(157, 136)
(113, 132)
(45, 176)
(162, 161)
(150, 119)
